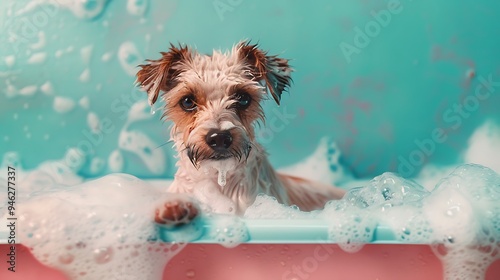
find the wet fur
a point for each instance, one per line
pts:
(213, 81)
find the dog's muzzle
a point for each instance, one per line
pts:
(222, 145)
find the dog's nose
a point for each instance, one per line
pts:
(219, 140)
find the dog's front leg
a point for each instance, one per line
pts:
(177, 209)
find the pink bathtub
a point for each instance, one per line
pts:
(274, 261)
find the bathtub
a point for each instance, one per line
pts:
(277, 249)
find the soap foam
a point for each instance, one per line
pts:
(85, 75)
(267, 207)
(10, 60)
(115, 161)
(41, 41)
(86, 54)
(140, 144)
(96, 166)
(107, 56)
(100, 229)
(47, 88)
(229, 231)
(37, 58)
(63, 104)
(484, 143)
(84, 102)
(129, 57)
(28, 90)
(137, 8)
(83, 232)
(466, 221)
(356, 215)
(460, 216)
(93, 122)
(322, 166)
(81, 9)
(144, 147)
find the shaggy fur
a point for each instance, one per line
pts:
(222, 92)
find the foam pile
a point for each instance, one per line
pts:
(460, 217)
(100, 229)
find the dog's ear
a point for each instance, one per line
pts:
(161, 74)
(272, 70)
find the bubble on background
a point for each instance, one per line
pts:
(87, 9)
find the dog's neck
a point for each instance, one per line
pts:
(244, 180)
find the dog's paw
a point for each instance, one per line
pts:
(176, 212)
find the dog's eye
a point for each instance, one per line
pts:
(243, 100)
(187, 103)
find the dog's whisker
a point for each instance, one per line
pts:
(163, 144)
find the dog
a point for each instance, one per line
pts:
(214, 101)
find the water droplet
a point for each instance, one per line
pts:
(452, 211)
(103, 255)
(221, 180)
(190, 274)
(406, 231)
(66, 258)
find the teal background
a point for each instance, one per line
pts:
(392, 92)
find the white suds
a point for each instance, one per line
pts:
(115, 161)
(139, 143)
(63, 104)
(229, 231)
(41, 41)
(28, 90)
(81, 9)
(37, 58)
(129, 57)
(87, 235)
(484, 143)
(322, 166)
(85, 75)
(60, 53)
(139, 112)
(145, 148)
(96, 166)
(84, 102)
(93, 122)
(47, 88)
(10, 60)
(137, 8)
(86, 53)
(107, 56)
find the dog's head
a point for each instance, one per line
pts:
(214, 100)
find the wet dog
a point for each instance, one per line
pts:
(214, 101)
